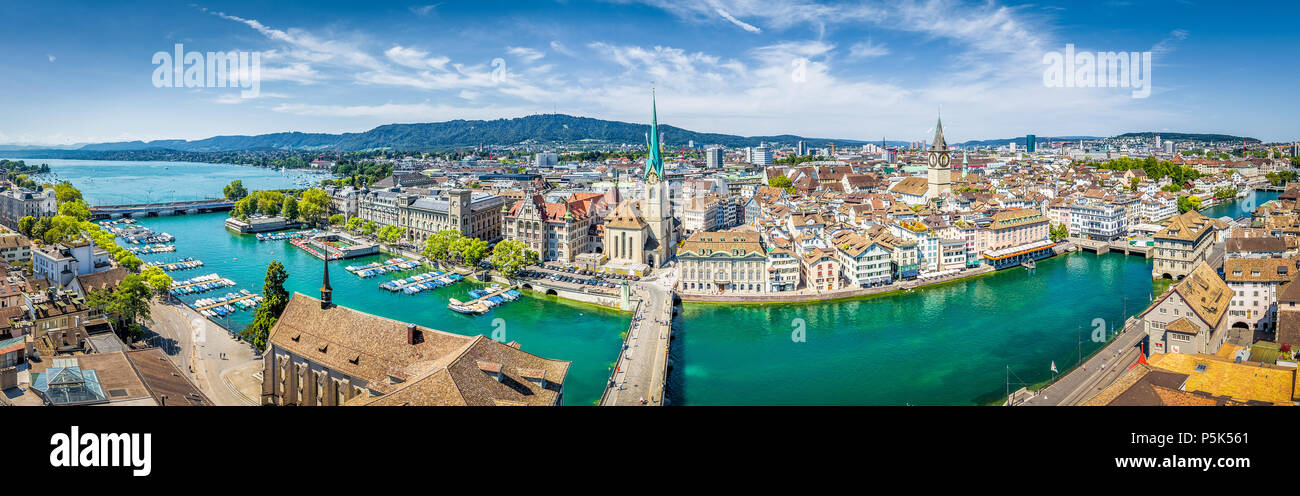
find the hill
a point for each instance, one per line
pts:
(539, 129)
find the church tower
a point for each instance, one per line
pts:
(940, 174)
(658, 212)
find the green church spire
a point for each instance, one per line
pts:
(654, 163)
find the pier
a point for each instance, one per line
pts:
(477, 303)
(227, 302)
(641, 372)
(174, 266)
(160, 209)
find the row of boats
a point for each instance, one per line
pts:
(280, 236)
(136, 234)
(200, 284)
(148, 249)
(228, 304)
(484, 300)
(376, 268)
(182, 264)
(422, 282)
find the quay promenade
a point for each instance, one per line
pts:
(1098, 371)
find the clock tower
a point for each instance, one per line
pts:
(940, 174)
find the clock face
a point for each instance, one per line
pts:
(943, 160)
(652, 178)
(934, 159)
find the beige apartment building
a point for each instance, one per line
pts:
(1181, 244)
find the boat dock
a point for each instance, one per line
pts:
(177, 265)
(375, 268)
(150, 249)
(484, 302)
(421, 282)
(227, 302)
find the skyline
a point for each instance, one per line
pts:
(841, 70)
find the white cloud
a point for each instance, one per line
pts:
(560, 48)
(51, 57)
(738, 22)
(415, 58)
(525, 53)
(868, 49)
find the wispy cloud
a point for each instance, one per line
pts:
(525, 53)
(868, 49)
(738, 22)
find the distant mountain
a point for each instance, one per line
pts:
(1188, 136)
(1020, 141)
(541, 129)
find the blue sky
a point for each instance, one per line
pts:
(81, 71)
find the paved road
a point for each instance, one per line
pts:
(202, 349)
(642, 367)
(1081, 384)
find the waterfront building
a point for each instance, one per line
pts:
(1016, 236)
(723, 262)
(59, 263)
(1254, 283)
(378, 206)
(865, 262)
(1095, 218)
(16, 203)
(556, 230)
(1181, 244)
(320, 354)
(343, 200)
(474, 214)
(1188, 318)
(821, 269)
(783, 270)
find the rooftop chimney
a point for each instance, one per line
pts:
(413, 334)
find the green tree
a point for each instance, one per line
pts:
(440, 246)
(337, 219)
(39, 228)
(235, 190)
(25, 225)
(315, 205)
(1058, 232)
(289, 208)
(783, 182)
(274, 299)
(369, 227)
(1187, 203)
(157, 280)
(65, 192)
(354, 224)
(511, 256)
(75, 208)
(128, 303)
(471, 250)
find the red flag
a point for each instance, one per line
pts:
(1142, 358)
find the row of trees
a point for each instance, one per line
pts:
(451, 247)
(312, 207)
(1155, 169)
